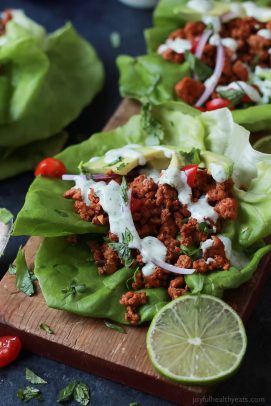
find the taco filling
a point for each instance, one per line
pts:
(229, 58)
(164, 224)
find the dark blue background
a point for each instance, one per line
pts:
(96, 19)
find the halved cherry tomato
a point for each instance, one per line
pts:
(191, 173)
(136, 205)
(200, 108)
(10, 348)
(195, 42)
(217, 103)
(50, 167)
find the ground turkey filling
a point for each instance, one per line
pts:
(157, 212)
(252, 49)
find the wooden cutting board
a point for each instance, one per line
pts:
(87, 343)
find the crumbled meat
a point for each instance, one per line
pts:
(190, 234)
(189, 90)
(184, 261)
(193, 29)
(132, 300)
(105, 258)
(177, 287)
(227, 208)
(219, 191)
(157, 279)
(241, 71)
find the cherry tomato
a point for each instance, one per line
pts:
(10, 348)
(200, 108)
(50, 167)
(195, 42)
(246, 99)
(191, 173)
(217, 103)
(136, 205)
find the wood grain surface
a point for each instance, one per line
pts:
(87, 343)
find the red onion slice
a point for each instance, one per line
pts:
(202, 42)
(172, 268)
(213, 80)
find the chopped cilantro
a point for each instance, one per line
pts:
(24, 279)
(33, 378)
(29, 393)
(151, 126)
(191, 157)
(234, 95)
(115, 327)
(205, 228)
(200, 69)
(123, 248)
(124, 190)
(79, 391)
(192, 252)
(46, 328)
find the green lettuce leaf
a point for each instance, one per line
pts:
(58, 263)
(46, 81)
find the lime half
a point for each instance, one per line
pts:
(263, 144)
(196, 340)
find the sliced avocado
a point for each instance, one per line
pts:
(219, 166)
(157, 157)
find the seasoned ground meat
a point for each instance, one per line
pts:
(159, 278)
(106, 259)
(177, 287)
(184, 261)
(227, 208)
(220, 191)
(241, 71)
(189, 90)
(132, 300)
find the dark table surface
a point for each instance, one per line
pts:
(96, 19)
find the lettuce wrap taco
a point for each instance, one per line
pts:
(173, 202)
(208, 54)
(45, 82)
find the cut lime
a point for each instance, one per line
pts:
(263, 144)
(196, 340)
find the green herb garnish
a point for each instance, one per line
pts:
(200, 69)
(191, 157)
(119, 159)
(123, 248)
(5, 216)
(24, 279)
(74, 288)
(132, 279)
(115, 327)
(33, 378)
(77, 390)
(192, 252)
(46, 328)
(151, 126)
(234, 95)
(29, 393)
(124, 190)
(205, 228)
(115, 39)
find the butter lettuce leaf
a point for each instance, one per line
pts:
(59, 263)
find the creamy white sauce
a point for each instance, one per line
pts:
(202, 210)
(218, 172)
(214, 21)
(209, 261)
(205, 245)
(167, 152)
(177, 45)
(265, 33)
(252, 93)
(260, 13)
(265, 88)
(129, 151)
(177, 179)
(226, 42)
(201, 5)
(227, 245)
(151, 249)
(150, 173)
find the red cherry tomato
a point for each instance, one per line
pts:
(217, 103)
(50, 167)
(10, 348)
(201, 108)
(195, 42)
(191, 173)
(246, 99)
(136, 205)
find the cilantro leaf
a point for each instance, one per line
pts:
(192, 252)
(151, 126)
(124, 190)
(32, 377)
(81, 394)
(24, 280)
(74, 288)
(123, 248)
(234, 95)
(46, 328)
(191, 157)
(66, 393)
(115, 327)
(132, 279)
(29, 393)
(200, 69)
(205, 228)
(5, 216)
